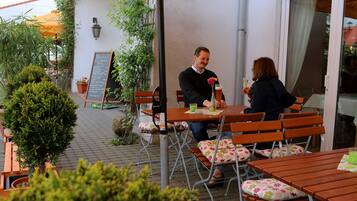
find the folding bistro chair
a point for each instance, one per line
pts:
(297, 106)
(304, 127)
(289, 115)
(214, 153)
(143, 99)
(182, 139)
(259, 132)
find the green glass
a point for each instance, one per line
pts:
(352, 156)
(193, 107)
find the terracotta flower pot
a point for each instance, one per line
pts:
(82, 87)
(20, 182)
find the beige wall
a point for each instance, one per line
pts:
(192, 23)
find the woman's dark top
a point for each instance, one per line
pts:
(269, 95)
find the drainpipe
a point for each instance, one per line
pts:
(241, 50)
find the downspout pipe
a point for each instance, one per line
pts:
(241, 50)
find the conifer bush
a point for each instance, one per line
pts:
(41, 117)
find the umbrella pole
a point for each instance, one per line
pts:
(164, 156)
(56, 59)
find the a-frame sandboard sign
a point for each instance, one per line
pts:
(101, 71)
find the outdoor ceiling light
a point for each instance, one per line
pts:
(96, 28)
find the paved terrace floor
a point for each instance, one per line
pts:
(93, 134)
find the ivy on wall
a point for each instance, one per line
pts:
(133, 62)
(66, 7)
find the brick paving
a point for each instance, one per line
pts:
(93, 134)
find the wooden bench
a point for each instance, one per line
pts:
(11, 165)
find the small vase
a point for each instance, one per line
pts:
(213, 101)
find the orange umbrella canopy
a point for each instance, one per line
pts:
(49, 24)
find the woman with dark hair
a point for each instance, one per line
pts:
(267, 93)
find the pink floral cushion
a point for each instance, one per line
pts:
(271, 189)
(225, 153)
(292, 149)
(149, 127)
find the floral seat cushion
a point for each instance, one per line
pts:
(225, 153)
(292, 149)
(271, 189)
(149, 127)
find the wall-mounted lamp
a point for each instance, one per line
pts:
(96, 28)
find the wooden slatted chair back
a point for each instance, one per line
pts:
(303, 127)
(179, 96)
(290, 115)
(297, 106)
(143, 97)
(258, 116)
(263, 131)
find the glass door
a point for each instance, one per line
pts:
(346, 115)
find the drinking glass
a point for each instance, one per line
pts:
(193, 107)
(352, 155)
(218, 89)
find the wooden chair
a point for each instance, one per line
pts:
(224, 145)
(259, 132)
(301, 128)
(289, 115)
(182, 134)
(290, 147)
(297, 106)
(143, 100)
(179, 97)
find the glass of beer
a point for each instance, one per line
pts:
(218, 89)
(244, 82)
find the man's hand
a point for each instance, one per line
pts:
(207, 103)
(219, 104)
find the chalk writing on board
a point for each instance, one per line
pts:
(99, 76)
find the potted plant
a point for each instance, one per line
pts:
(41, 117)
(82, 85)
(99, 182)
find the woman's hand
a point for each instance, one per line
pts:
(246, 90)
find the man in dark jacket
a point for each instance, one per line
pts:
(195, 88)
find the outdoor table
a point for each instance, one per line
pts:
(180, 115)
(315, 174)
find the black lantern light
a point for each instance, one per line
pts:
(96, 28)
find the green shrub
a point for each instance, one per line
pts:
(29, 74)
(42, 118)
(99, 182)
(21, 44)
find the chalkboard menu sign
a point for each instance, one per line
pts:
(101, 68)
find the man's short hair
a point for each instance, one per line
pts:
(200, 49)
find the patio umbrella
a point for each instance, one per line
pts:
(350, 35)
(49, 24)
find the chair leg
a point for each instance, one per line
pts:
(203, 181)
(238, 176)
